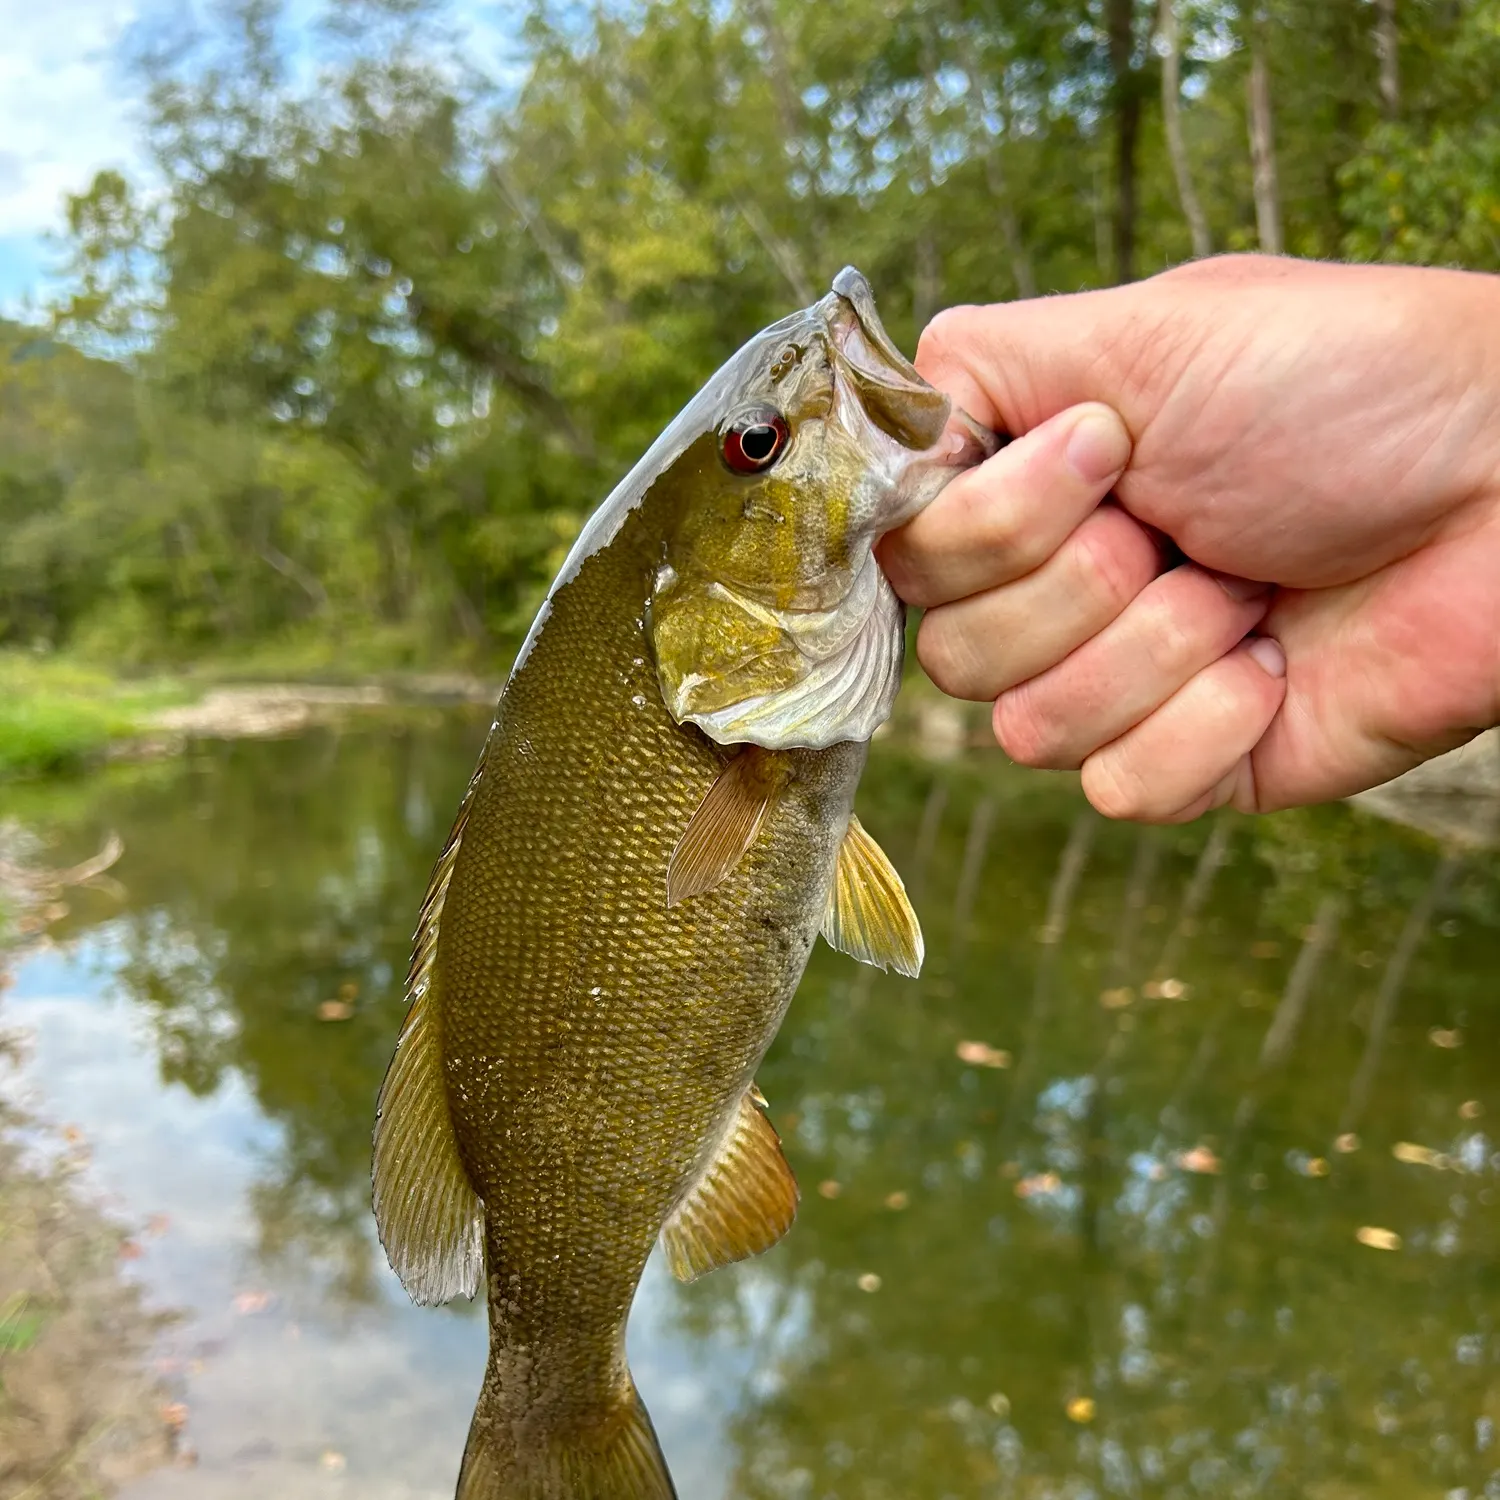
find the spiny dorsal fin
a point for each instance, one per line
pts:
(868, 915)
(428, 1214)
(724, 827)
(743, 1203)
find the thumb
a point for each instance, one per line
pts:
(1012, 365)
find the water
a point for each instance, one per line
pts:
(1175, 1175)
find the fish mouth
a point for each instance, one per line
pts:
(892, 391)
(853, 289)
(865, 358)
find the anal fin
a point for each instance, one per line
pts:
(743, 1204)
(721, 831)
(869, 916)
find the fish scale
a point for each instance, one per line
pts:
(660, 825)
(632, 1091)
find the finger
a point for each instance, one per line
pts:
(978, 647)
(1014, 364)
(1004, 518)
(1193, 753)
(1175, 627)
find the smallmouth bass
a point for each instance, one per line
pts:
(660, 824)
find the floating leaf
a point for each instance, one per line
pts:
(982, 1055)
(1415, 1155)
(1039, 1185)
(1201, 1159)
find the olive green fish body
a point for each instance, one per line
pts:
(596, 1041)
(660, 826)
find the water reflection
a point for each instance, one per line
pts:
(1100, 1206)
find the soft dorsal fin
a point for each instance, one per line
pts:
(429, 1216)
(743, 1203)
(724, 827)
(868, 915)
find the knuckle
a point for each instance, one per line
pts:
(1105, 570)
(1000, 532)
(892, 554)
(1167, 639)
(941, 339)
(1227, 699)
(1116, 790)
(1027, 734)
(949, 656)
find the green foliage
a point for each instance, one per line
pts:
(59, 715)
(1426, 190)
(20, 1324)
(345, 384)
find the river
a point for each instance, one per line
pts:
(1174, 1175)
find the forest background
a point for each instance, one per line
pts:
(334, 389)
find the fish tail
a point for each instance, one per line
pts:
(615, 1458)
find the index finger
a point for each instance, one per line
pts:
(999, 521)
(1011, 365)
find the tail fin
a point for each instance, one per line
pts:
(620, 1459)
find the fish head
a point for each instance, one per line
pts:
(770, 619)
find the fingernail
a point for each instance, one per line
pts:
(1098, 446)
(1270, 657)
(1242, 589)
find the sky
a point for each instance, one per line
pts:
(66, 110)
(69, 106)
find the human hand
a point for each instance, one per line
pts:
(1332, 432)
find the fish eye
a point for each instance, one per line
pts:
(754, 440)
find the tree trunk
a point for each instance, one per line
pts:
(1388, 55)
(1262, 141)
(1010, 226)
(1120, 23)
(927, 285)
(783, 253)
(1171, 109)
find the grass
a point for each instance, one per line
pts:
(56, 715)
(19, 1324)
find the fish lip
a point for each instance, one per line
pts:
(957, 441)
(874, 374)
(851, 288)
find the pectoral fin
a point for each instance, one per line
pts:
(744, 1202)
(724, 827)
(868, 915)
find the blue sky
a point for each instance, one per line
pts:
(69, 106)
(65, 110)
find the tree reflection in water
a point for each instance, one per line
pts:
(1126, 1264)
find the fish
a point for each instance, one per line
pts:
(659, 826)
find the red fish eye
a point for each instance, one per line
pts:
(755, 440)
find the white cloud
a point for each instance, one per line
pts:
(65, 107)
(70, 106)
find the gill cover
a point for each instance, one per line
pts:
(771, 621)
